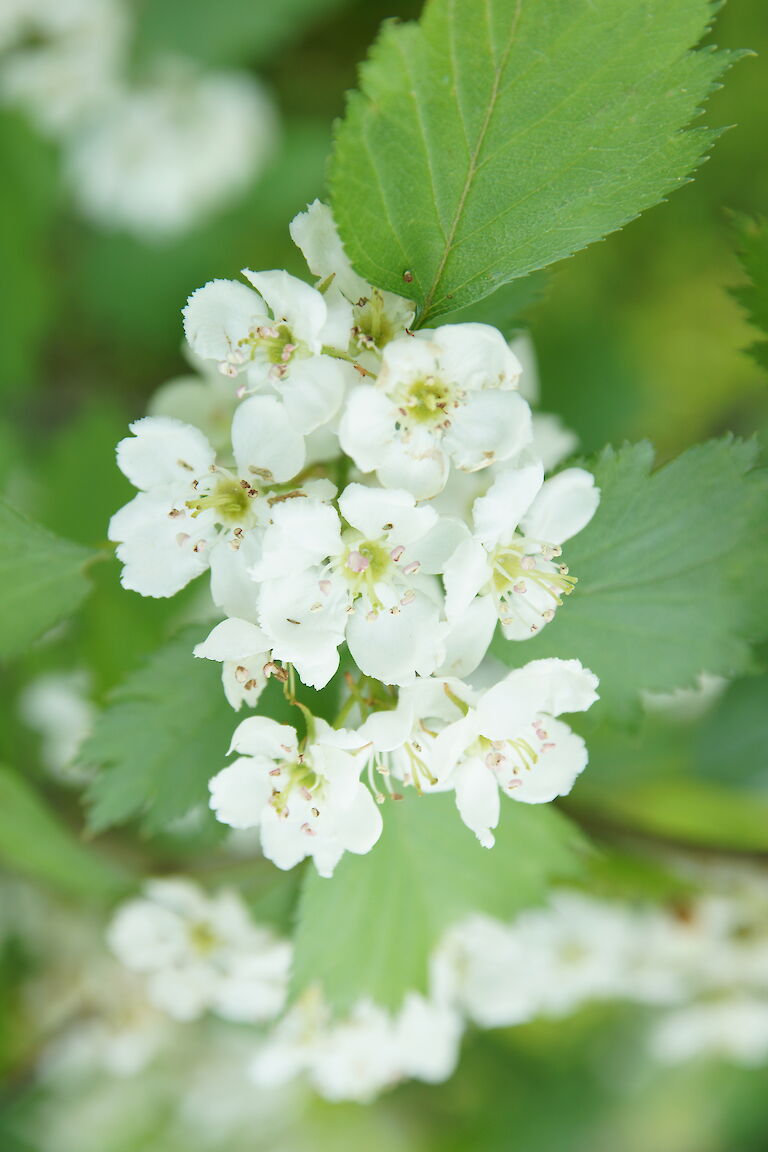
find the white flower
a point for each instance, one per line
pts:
(427, 1035)
(156, 159)
(243, 650)
(377, 316)
(402, 742)
(61, 58)
(370, 581)
(275, 336)
(364, 1053)
(305, 802)
(519, 527)
(201, 952)
(734, 1028)
(511, 741)
(441, 395)
(191, 514)
(481, 967)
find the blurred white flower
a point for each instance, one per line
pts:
(734, 1028)
(157, 159)
(363, 1053)
(60, 59)
(57, 707)
(200, 952)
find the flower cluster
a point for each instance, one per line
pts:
(151, 157)
(379, 495)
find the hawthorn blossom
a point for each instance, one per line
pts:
(366, 575)
(275, 336)
(513, 555)
(156, 159)
(510, 741)
(733, 1027)
(364, 1053)
(401, 743)
(243, 651)
(201, 952)
(61, 58)
(377, 316)
(306, 801)
(191, 513)
(442, 395)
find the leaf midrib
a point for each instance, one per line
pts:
(473, 160)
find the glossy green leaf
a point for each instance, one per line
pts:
(497, 136)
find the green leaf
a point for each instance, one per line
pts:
(33, 841)
(42, 580)
(370, 929)
(734, 736)
(163, 734)
(672, 573)
(497, 136)
(753, 297)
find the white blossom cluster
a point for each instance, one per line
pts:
(151, 156)
(379, 492)
(701, 963)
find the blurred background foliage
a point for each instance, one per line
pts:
(638, 336)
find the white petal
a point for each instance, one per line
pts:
(232, 639)
(469, 637)
(440, 543)
(548, 686)
(556, 770)
(315, 233)
(489, 426)
(497, 514)
(240, 793)
(232, 587)
(283, 842)
(367, 426)
(566, 504)
(163, 451)
(362, 822)
(337, 330)
(260, 736)
(394, 648)
(476, 356)
(220, 314)
(407, 358)
(313, 390)
(303, 533)
(374, 511)
(464, 575)
(477, 799)
(385, 730)
(293, 302)
(158, 556)
(523, 348)
(552, 441)
(417, 464)
(264, 437)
